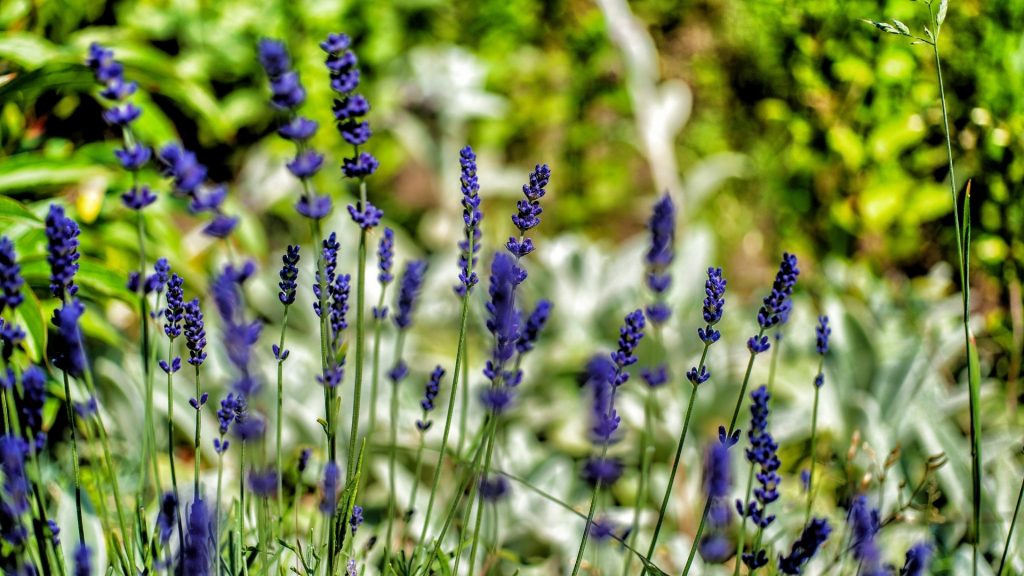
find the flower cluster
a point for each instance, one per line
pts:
(11, 282)
(762, 452)
(528, 212)
(385, 263)
(811, 539)
(240, 335)
(716, 546)
(919, 557)
(289, 274)
(776, 305)
(197, 553)
(629, 338)
(62, 252)
(659, 256)
(433, 388)
(133, 156)
(188, 178)
(535, 323)
(469, 246)
(409, 287)
(863, 520)
(822, 333)
(503, 322)
(349, 109)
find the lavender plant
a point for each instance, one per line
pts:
(240, 528)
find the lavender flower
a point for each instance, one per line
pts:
(289, 275)
(306, 164)
(601, 376)
(776, 305)
(263, 483)
(714, 303)
(239, 335)
(503, 324)
(762, 452)
(175, 307)
(356, 519)
(165, 520)
(331, 486)
(287, 92)
(429, 395)
(534, 324)
(629, 338)
(197, 557)
(716, 547)
(62, 252)
(602, 470)
(11, 336)
(67, 345)
(133, 157)
(83, 560)
(469, 246)
(138, 197)
(919, 557)
(408, 292)
(822, 333)
(811, 539)
(10, 276)
(110, 73)
(299, 129)
(660, 254)
(33, 385)
(329, 253)
(863, 520)
(494, 488)
(195, 333)
(386, 257)
(528, 213)
(188, 176)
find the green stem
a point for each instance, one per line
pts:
(814, 452)
(360, 333)
(448, 416)
(416, 478)
(743, 526)
(399, 346)
(74, 455)
(646, 453)
(590, 520)
(280, 415)
(170, 441)
(378, 330)
(479, 505)
(675, 463)
(1009, 535)
(732, 429)
(216, 505)
(199, 434)
(241, 509)
(464, 412)
(963, 244)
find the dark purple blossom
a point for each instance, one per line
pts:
(166, 519)
(534, 324)
(763, 453)
(263, 483)
(175, 307)
(629, 337)
(659, 256)
(919, 557)
(409, 286)
(83, 560)
(469, 246)
(494, 488)
(289, 275)
(195, 333)
(430, 392)
(811, 539)
(331, 486)
(386, 257)
(366, 217)
(864, 525)
(349, 109)
(133, 157)
(314, 206)
(10, 276)
(138, 197)
(197, 553)
(777, 304)
(356, 519)
(299, 129)
(822, 333)
(62, 252)
(67, 345)
(503, 322)
(33, 385)
(714, 304)
(306, 164)
(182, 167)
(655, 377)
(602, 470)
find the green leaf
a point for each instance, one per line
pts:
(95, 278)
(903, 28)
(11, 209)
(27, 50)
(940, 17)
(45, 173)
(30, 317)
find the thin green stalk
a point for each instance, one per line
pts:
(757, 546)
(378, 331)
(814, 450)
(590, 520)
(743, 526)
(170, 441)
(216, 505)
(464, 412)
(461, 486)
(646, 451)
(399, 347)
(241, 509)
(74, 456)
(480, 506)
(280, 415)
(1009, 535)
(199, 434)
(360, 333)
(675, 464)
(732, 430)
(963, 246)
(448, 416)
(419, 470)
